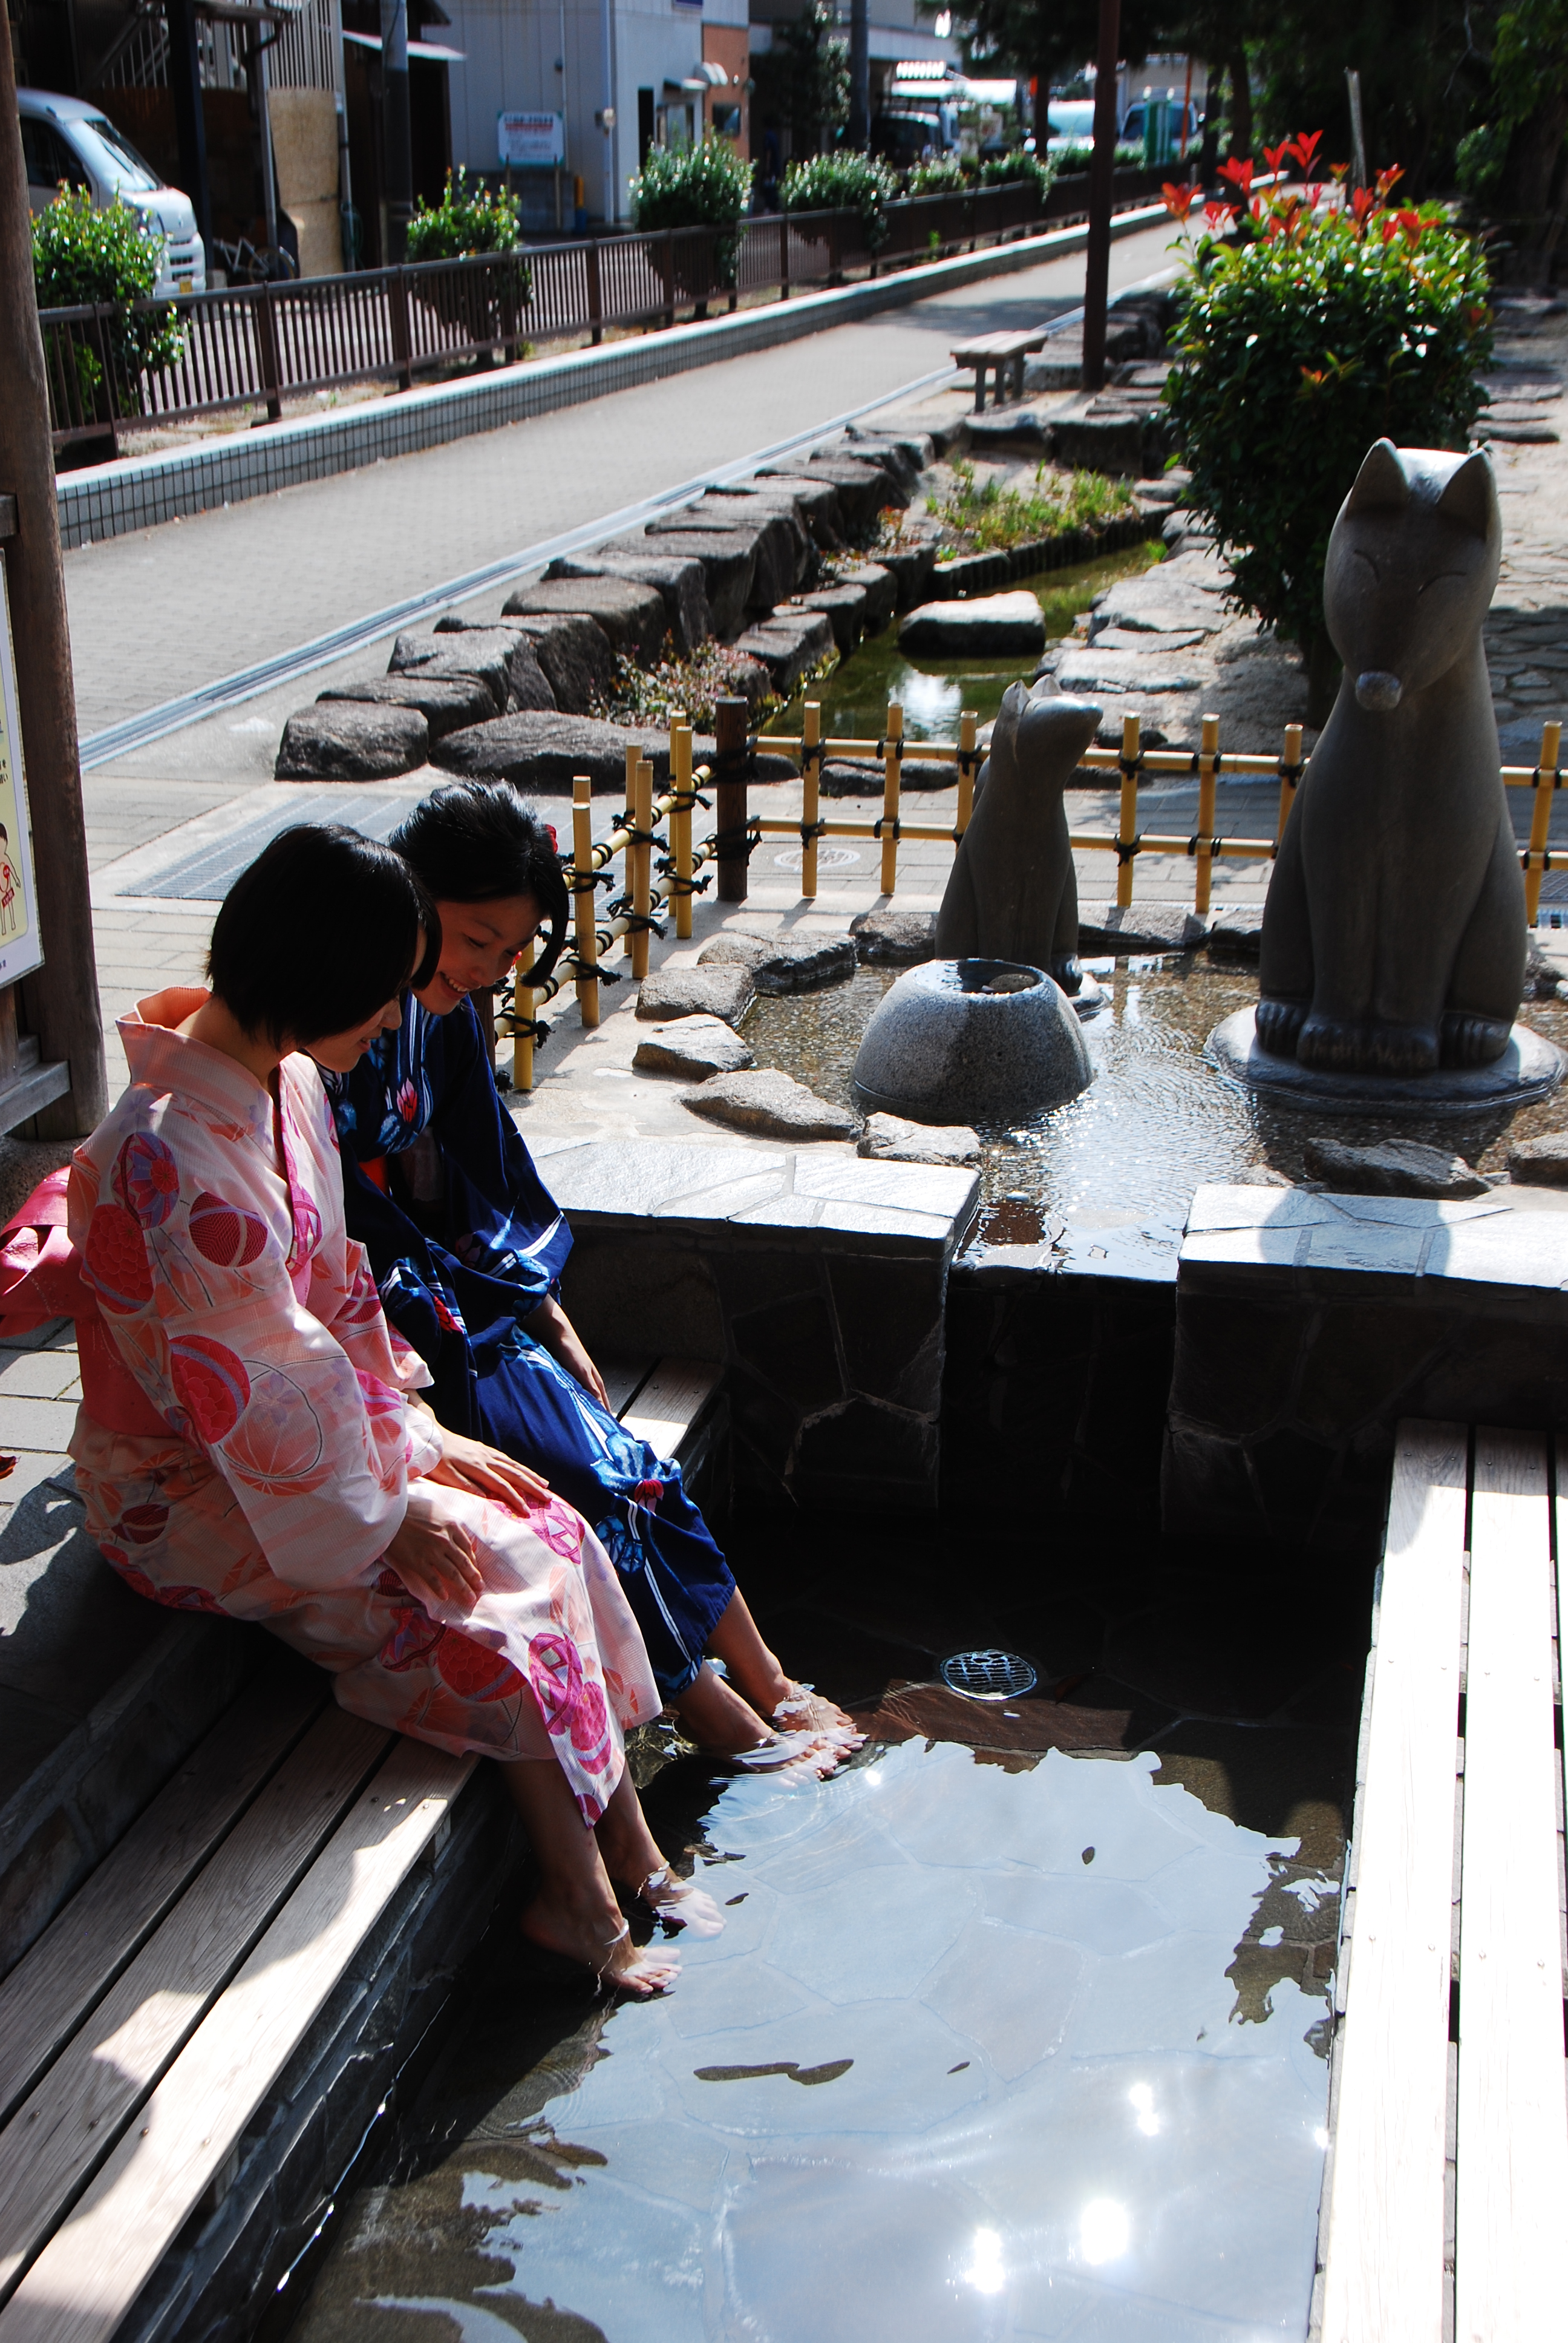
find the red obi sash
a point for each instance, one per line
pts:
(41, 1278)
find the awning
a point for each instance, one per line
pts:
(431, 49)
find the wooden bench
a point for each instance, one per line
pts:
(146, 2026)
(1445, 2201)
(1001, 356)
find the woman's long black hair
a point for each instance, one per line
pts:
(475, 841)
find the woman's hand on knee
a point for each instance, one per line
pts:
(550, 1325)
(433, 1553)
(486, 1472)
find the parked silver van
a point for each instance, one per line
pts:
(68, 142)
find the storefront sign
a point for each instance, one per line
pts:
(20, 949)
(531, 140)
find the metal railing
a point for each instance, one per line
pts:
(255, 346)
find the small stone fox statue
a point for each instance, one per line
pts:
(1012, 894)
(1393, 933)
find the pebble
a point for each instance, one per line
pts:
(890, 1140)
(772, 1106)
(1391, 1167)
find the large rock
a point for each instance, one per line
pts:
(790, 644)
(727, 559)
(1236, 935)
(815, 501)
(766, 536)
(726, 992)
(879, 585)
(894, 938)
(1541, 1162)
(970, 1042)
(1391, 1167)
(500, 658)
(446, 702)
(1083, 674)
(577, 658)
(910, 566)
(903, 454)
(695, 1047)
(1098, 443)
(1151, 605)
(546, 751)
(677, 580)
(771, 1105)
(352, 741)
(990, 625)
(1136, 931)
(865, 490)
(890, 1140)
(783, 963)
(845, 609)
(630, 616)
(759, 504)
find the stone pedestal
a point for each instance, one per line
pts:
(1528, 1068)
(971, 1040)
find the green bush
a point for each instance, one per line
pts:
(1002, 170)
(845, 182)
(1479, 159)
(468, 219)
(1311, 337)
(696, 186)
(995, 519)
(1074, 159)
(944, 177)
(81, 255)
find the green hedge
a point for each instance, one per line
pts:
(81, 255)
(696, 186)
(845, 182)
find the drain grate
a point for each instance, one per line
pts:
(989, 1676)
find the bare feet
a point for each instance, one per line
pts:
(803, 1709)
(807, 1733)
(681, 1905)
(607, 1951)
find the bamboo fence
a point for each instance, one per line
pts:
(663, 871)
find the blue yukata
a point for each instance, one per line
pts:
(465, 1242)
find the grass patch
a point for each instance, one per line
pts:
(991, 518)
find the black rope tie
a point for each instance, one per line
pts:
(729, 844)
(682, 800)
(888, 826)
(527, 1029)
(812, 830)
(1544, 773)
(1292, 773)
(896, 746)
(1127, 847)
(642, 837)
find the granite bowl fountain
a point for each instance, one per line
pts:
(962, 1041)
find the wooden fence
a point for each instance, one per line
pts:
(683, 869)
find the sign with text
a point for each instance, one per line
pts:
(20, 949)
(531, 140)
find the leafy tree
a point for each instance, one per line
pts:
(1530, 117)
(83, 255)
(804, 81)
(696, 186)
(845, 182)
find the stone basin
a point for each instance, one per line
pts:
(966, 1041)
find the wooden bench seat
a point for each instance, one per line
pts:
(1001, 356)
(1445, 2202)
(146, 2026)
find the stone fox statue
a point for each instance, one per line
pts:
(1393, 934)
(1012, 894)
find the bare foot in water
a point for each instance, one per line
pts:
(805, 1710)
(609, 1954)
(714, 1716)
(681, 1903)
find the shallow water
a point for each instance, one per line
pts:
(966, 2064)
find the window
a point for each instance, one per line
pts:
(116, 157)
(50, 162)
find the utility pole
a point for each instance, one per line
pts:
(1102, 190)
(859, 75)
(63, 995)
(396, 139)
(190, 123)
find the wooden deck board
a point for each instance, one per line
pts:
(90, 2273)
(669, 1403)
(1510, 2260)
(1383, 2273)
(623, 1378)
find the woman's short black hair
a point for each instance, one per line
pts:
(319, 931)
(475, 841)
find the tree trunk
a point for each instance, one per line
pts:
(1213, 106)
(1241, 102)
(1321, 663)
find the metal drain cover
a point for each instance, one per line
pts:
(989, 1676)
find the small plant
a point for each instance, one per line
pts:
(993, 519)
(1018, 163)
(713, 671)
(81, 255)
(844, 182)
(1309, 332)
(471, 217)
(696, 186)
(943, 177)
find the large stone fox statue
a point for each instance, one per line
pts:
(1393, 934)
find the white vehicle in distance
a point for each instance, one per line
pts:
(68, 142)
(1071, 123)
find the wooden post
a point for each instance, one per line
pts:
(586, 900)
(523, 1013)
(1541, 817)
(968, 766)
(595, 297)
(680, 822)
(729, 718)
(1290, 779)
(811, 795)
(633, 759)
(63, 995)
(1101, 195)
(1207, 755)
(1127, 826)
(892, 776)
(641, 861)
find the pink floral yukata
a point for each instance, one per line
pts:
(257, 1460)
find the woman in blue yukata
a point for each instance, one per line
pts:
(467, 1246)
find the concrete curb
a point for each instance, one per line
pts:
(106, 500)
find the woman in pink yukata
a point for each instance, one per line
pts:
(256, 1447)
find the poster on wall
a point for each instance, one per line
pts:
(531, 141)
(20, 949)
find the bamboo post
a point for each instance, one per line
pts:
(1541, 817)
(585, 899)
(641, 861)
(968, 727)
(680, 822)
(811, 796)
(892, 766)
(633, 759)
(1127, 825)
(1208, 756)
(1290, 779)
(523, 1015)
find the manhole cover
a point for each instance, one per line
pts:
(829, 858)
(989, 1676)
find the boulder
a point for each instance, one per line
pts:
(866, 490)
(762, 504)
(677, 580)
(1391, 1167)
(786, 963)
(894, 938)
(1236, 937)
(352, 741)
(544, 750)
(989, 624)
(1010, 431)
(903, 454)
(771, 1105)
(1087, 673)
(727, 559)
(890, 1140)
(768, 536)
(1136, 931)
(910, 566)
(577, 658)
(488, 652)
(1157, 605)
(726, 992)
(1541, 1162)
(879, 586)
(849, 777)
(446, 702)
(695, 1047)
(1098, 443)
(815, 501)
(970, 1040)
(790, 644)
(843, 607)
(630, 614)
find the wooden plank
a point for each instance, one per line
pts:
(81, 1951)
(90, 2273)
(670, 1402)
(623, 1378)
(73, 2116)
(1383, 2274)
(1510, 2246)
